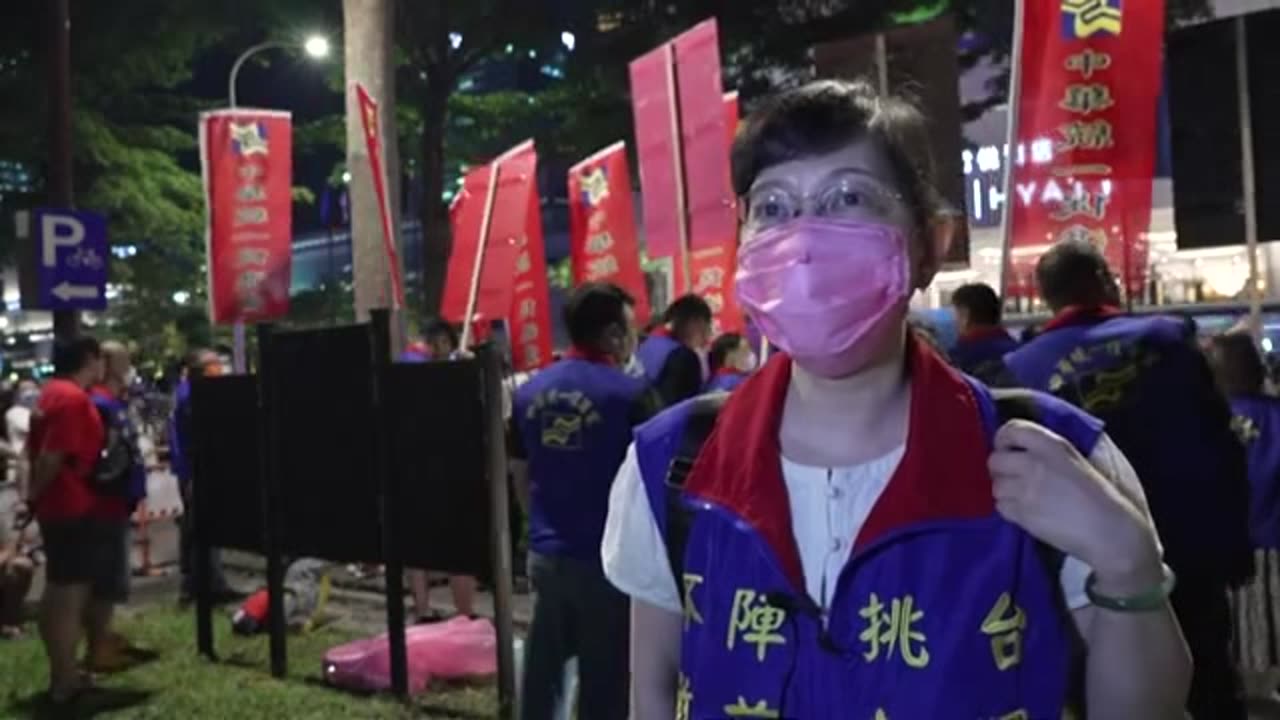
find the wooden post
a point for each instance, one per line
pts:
(268, 433)
(388, 507)
(1249, 183)
(499, 528)
(1011, 155)
(677, 160)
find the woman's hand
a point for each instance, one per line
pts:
(1046, 487)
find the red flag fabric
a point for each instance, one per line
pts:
(1090, 81)
(712, 216)
(372, 138)
(732, 112)
(529, 316)
(652, 104)
(713, 270)
(506, 224)
(602, 225)
(512, 279)
(246, 158)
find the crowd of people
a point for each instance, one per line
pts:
(866, 524)
(77, 449)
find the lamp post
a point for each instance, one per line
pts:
(316, 47)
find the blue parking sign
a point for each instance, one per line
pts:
(71, 259)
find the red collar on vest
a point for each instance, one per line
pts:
(943, 473)
(591, 356)
(660, 331)
(1081, 315)
(103, 392)
(984, 332)
(725, 370)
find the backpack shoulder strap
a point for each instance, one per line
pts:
(1021, 404)
(703, 412)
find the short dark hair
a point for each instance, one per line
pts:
(826, 115)
(980, 300)
(1237, 364)
(686, 309)
(1074, 272)
(440, 328)
(593, 309)
(720, 349)
(71, 355)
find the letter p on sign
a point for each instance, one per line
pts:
(58, 231)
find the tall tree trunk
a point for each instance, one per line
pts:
(368, 62)
(437, 236)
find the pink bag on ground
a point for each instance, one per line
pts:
(456, 649)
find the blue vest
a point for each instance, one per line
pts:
(725, 382)
(574, 419)
(653, 354)
(952, 612)
(179, 444)
(116, 412)
(1144, 378)
(1256, 420)
(983, 357)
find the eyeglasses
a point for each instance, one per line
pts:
(852, 196)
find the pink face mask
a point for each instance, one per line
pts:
(820, 288)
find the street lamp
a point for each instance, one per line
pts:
(315, 46)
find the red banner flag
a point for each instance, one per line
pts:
(713, 216)
(372, 138)
(530, 316)
(1085, 156)
(602, 225)
(511, 283)
(653, 106)
(713, 272)
(732, 113)
(246, 157)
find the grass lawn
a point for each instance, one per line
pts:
(181, 685)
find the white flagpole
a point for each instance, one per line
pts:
(1248, 179)
(1011, 138)
(474, 289)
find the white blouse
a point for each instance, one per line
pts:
(828, 508)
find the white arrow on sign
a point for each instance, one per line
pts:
(66, 292)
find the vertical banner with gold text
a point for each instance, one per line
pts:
(602, 225)
(246, 159)
(1090, 82)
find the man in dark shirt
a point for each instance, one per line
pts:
(672, 354)
(1147, 379)
(570, 428)
(983, 341)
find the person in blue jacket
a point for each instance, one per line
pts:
(865, 532)
(1242, 375)
(730, 361)
(983, 342)
(671, 356)
(570, 426)
(199, 363)
(1148, 380)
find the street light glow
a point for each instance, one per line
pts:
(568, 40)
(317, 46)
(346, 176)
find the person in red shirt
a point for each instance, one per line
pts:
(83, 530)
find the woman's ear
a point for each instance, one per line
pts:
(935, 242)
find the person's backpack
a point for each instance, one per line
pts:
(119, 454)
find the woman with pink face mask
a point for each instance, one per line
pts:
(859, 531)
